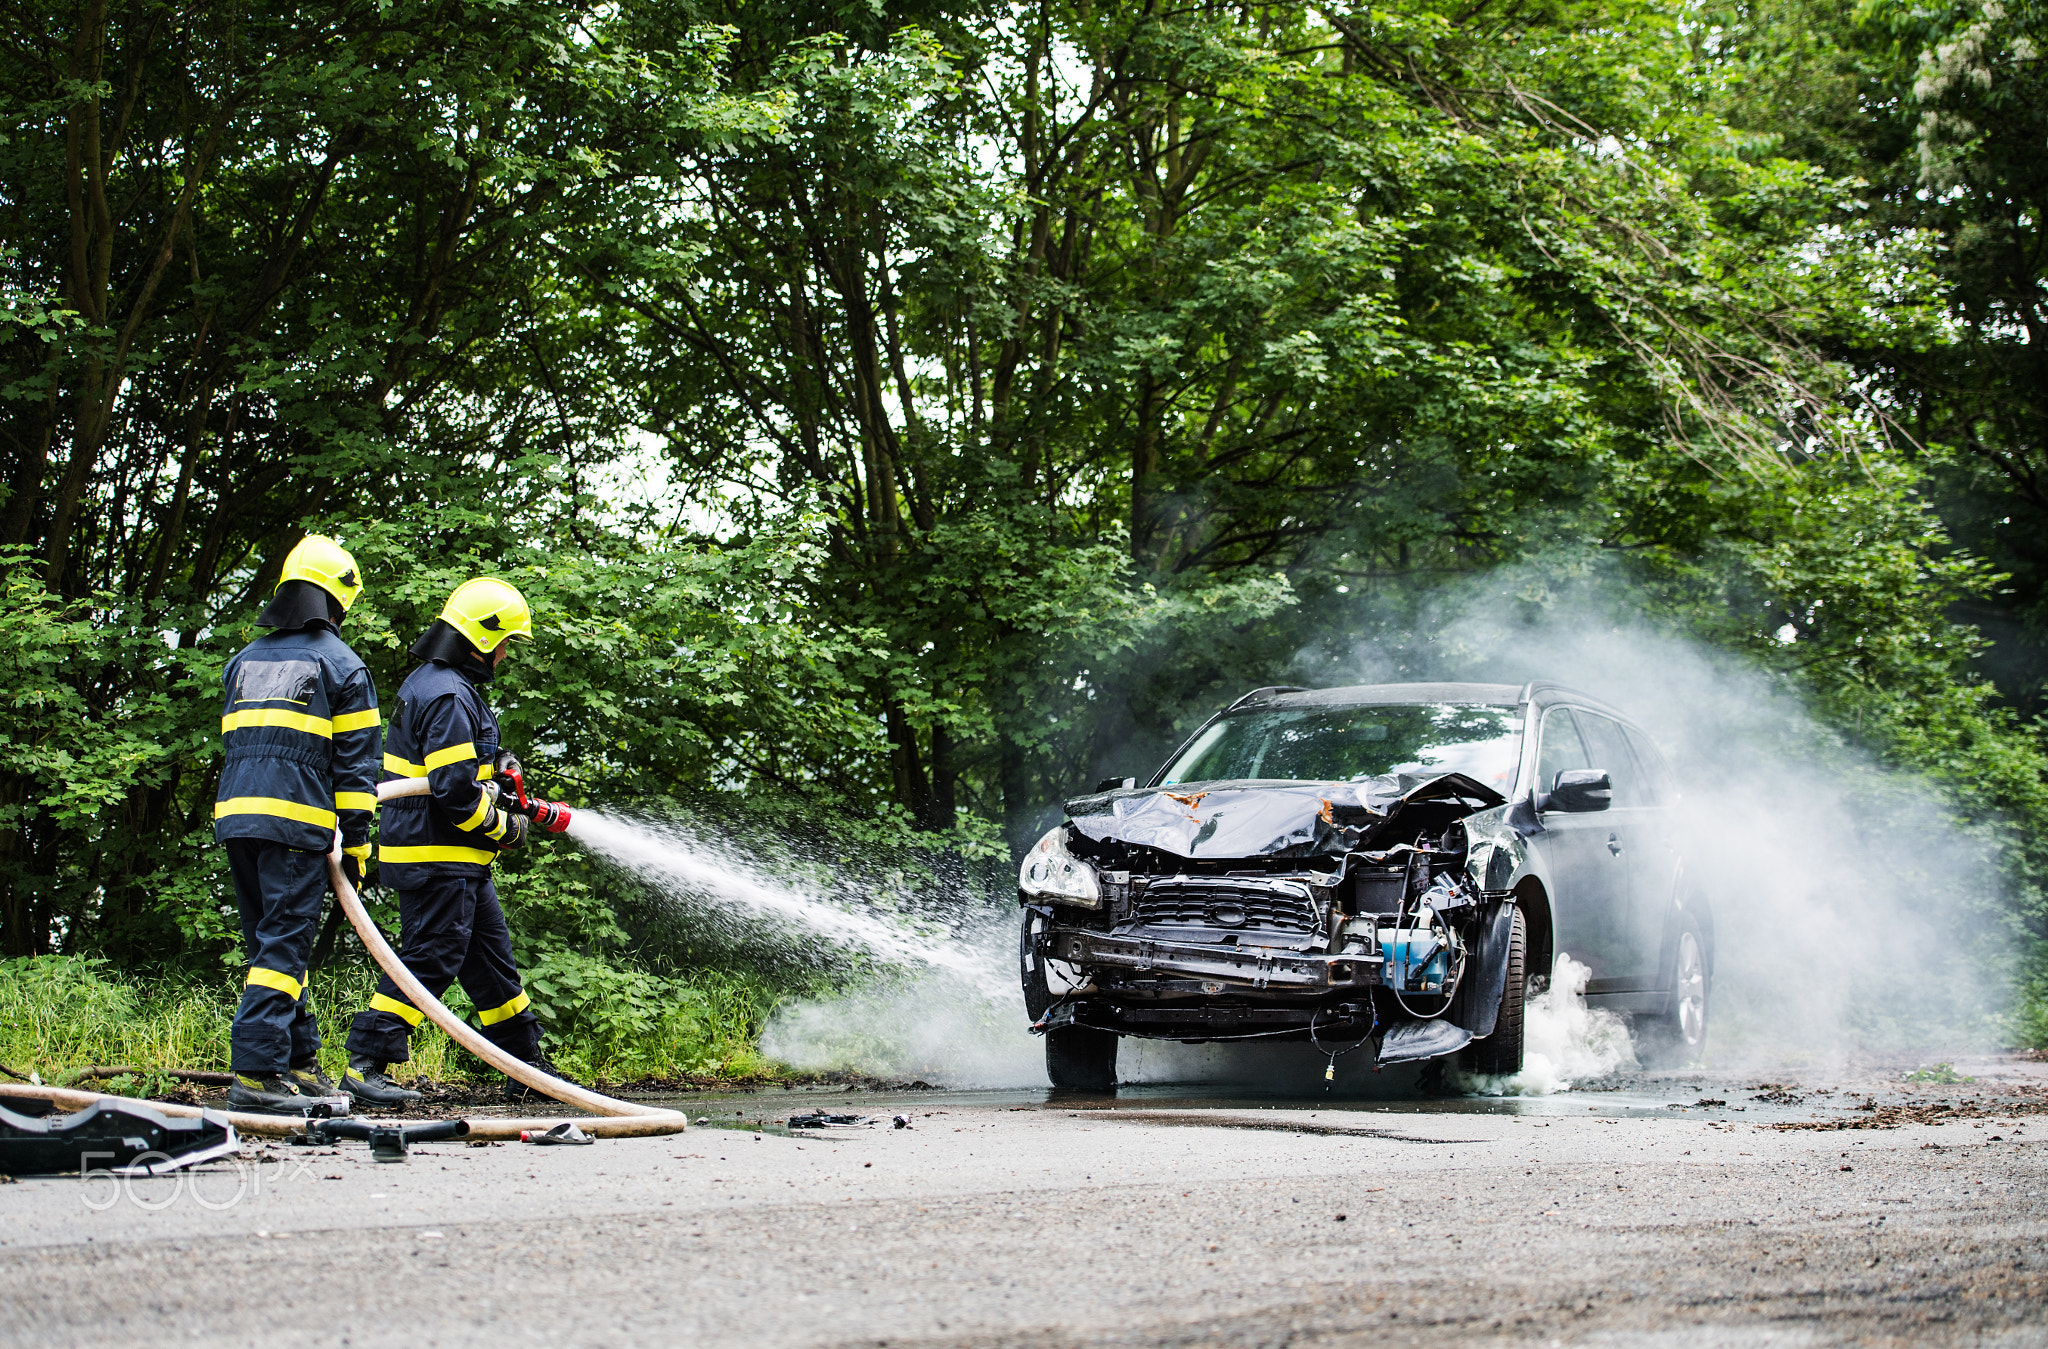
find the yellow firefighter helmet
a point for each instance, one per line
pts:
(487, 611)
(326, 564)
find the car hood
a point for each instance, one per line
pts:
(1263, 818)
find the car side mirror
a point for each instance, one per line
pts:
(1578, 791)
(1115, 784)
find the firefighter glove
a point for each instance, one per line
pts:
(515, 830)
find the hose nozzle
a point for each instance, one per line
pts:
(552, 816)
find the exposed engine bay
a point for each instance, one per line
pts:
(1327, 912)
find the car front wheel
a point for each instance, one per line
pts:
(1500, 1054)
(1081, 1058)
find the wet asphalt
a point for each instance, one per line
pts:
(1671, 1211)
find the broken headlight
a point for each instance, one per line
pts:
(1050, 872)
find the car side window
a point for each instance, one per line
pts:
(1663, 788)
(1561, 748)
(1610, 750)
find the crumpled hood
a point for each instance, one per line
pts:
(1262, 818)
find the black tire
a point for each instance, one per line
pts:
(1081, 1058)
(1500, 1054)
(1031, 964)
(1677, 1037)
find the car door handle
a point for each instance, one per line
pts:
(1614, 844)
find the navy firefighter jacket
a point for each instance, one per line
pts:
(443, 732)
(300, 724)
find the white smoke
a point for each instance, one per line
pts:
(1564, 1041)
(933, 1029)
(1853, 915)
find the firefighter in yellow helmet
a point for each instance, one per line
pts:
(436, 850)
(300, 726)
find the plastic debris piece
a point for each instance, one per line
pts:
(123, 1137)
(820, 1120)
(565, 1132)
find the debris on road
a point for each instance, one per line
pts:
(822, 1120)
(126, 1138)
(563, 1133)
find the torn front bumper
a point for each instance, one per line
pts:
(1253, 966)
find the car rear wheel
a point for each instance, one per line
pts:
(1678, 1037)
(1081, 1058)
(1500, 1054)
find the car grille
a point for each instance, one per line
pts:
(1274, 905)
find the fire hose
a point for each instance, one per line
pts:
(627, 1118)
(622, 1119)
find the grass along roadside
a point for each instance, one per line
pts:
(62, 1013)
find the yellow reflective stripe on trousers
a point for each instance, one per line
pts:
(436, 852)
(399, 768)
(404, 1011)
(355, 800)
(355, 721)
(275, 716)
(505, 1013)
(449, 754)
(276, 979)
(476, 817)
(271, 805)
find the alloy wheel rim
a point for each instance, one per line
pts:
(1692, 990)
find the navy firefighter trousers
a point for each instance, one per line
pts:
(453, 932)
(278, 889)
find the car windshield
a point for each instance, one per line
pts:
(1349, 744)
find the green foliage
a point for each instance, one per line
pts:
(902, 415)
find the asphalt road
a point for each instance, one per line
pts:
(1003, 1219)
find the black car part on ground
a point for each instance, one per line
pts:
(388, 1142)
(1280, 910)
(122, 1137)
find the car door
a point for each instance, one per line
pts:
(1634, 838)
(1588, 880)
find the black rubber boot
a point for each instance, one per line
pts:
(366, 1084)
(270, 1094)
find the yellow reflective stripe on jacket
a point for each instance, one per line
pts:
(355, 721)
(361, 854)
(505, 1013)
(276, 979)
(272, 805)
(436, 852)
(476, 817)
(485, 772)
(449, 754)
(400, 768)
(277, 716)
(404, 1011)
(355, 800)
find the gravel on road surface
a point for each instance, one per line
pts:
(1696, 1210)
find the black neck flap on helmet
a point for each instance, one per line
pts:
(298, 603)
(444, 644)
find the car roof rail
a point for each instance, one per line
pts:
(1267, 692)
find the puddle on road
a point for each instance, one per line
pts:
(1187, 1104)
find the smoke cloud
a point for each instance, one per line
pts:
(1853, 918)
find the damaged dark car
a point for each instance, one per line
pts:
(1397, 863)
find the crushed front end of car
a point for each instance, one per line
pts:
(1328, 912)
